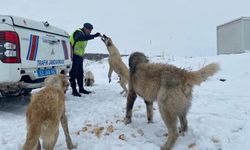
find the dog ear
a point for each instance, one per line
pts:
(132, 65)
(132, 69)
(135, 59)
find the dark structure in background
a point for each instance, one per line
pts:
(96, 56)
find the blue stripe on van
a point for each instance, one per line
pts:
(27, 58)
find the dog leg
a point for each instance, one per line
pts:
(184, 124)
(38, 145)
(64, 123)
(123, 85)
(170, 120)
(122, 91)
(49, 137)
(130, 103)
(149, 106)
(32, 139)
(110, 73)
(49, 134)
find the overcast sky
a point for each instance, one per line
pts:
(179, 27)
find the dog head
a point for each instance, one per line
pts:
(135, 59)
(107, 40)
(59, 81)
(88, 81)
(89, 78)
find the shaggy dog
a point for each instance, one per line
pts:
(116, 64)
(89, 78)
(170, 86)
(44, 114)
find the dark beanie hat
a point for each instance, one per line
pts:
(88, 26)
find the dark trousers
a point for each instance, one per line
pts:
(76, 73)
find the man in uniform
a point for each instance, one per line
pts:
(78, 41)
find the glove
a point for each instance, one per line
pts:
(97, 34)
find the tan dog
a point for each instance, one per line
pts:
(89, 78)
(170, 86)
(44, 114)
(116, 64)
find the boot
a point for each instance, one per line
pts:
(80, 85)
(84, 91)
(73, 86)
(75, 93)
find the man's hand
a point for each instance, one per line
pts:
(97, 34)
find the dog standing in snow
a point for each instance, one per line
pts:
(89, 78)
(116, 64)
(172, 88)
(44, 114)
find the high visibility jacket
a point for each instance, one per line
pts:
(78, 46)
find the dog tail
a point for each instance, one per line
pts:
(197, 77)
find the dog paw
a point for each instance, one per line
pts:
(166, 147)
(150, 121)
(162, 148)
(125, 95)
(182, 131)
(127, 120)
(72, 146)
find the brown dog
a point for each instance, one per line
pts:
(169, 85)
(89, 78)
(116, 64)
(44, 113)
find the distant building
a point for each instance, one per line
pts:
(234, 37)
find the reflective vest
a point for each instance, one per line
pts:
(79, 46)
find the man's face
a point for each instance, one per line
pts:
(87, 31)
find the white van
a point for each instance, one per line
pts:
(29, 52)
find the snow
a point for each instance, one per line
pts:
(180, 32)
(218, 118)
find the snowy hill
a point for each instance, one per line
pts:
(218, 118)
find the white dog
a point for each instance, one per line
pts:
(89, 78)
(116, 64)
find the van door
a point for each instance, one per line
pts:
(45, 49)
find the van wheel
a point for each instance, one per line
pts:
(26, 92)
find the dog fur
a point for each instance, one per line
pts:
(89, 78)
(44, 113)
(116, 64)
(170, 86)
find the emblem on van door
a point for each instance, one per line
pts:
(52, 52)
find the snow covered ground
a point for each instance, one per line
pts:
(218, 118)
